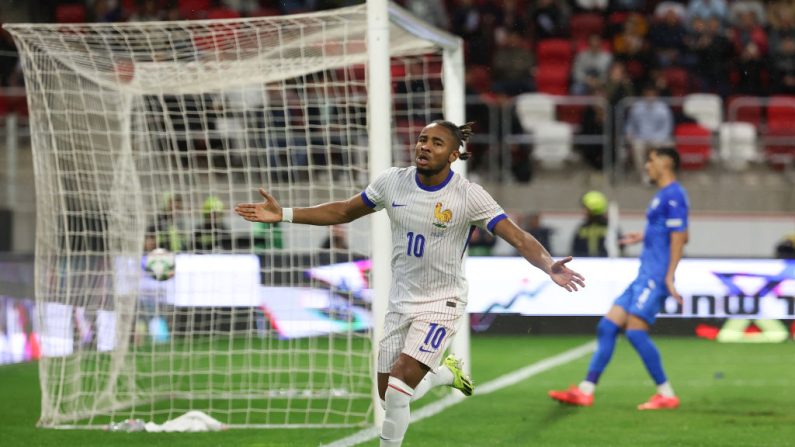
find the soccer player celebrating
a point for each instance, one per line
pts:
(432, 212)
(634, 311)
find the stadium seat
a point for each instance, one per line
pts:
(479, 78)
(745, 109)
(694, 144)
(705, 108)
(571, 113)
(780, 147)
(553, 144)
(781, 113)
(190, 9)
(678, 80)
(222, 13)
(737, 145)
(70, 13)
(552, 79)
(534, 109)
(584, 24)
(555, 52)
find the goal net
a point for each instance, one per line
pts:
(144, 136)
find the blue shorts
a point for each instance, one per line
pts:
(643, 298)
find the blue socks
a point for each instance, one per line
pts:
(606, 333)
(648, 353)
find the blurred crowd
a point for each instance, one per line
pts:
(616, 46)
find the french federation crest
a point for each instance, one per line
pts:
(443, 217)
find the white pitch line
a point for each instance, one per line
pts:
(497, 384)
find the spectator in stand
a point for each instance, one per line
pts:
(597, 6)
(593, 125)
(649, 125)
(513, 18)
(432, 11)
(631, 47)
(147, 11)
(783, 67)
(466, 19)
(550, 19)
(706, 9)
(618, 84)
(105, 11)
(750, 44)
(710, 54)
(628, 5)
(512, 70)
(667, 37)
(740, 7)
(590, 67)
(481, 46)
(781, 29)
(657, 78)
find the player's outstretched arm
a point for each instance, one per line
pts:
(330, 213)
(536, 254)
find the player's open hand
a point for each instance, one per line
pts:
(566, 277)
(267, 211)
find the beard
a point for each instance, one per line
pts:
(429, 171)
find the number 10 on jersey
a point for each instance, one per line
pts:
(416, 245)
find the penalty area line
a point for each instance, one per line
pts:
(491, 386)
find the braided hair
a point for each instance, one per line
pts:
(461, 134)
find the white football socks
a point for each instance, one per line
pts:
(439, 376)
(665, 389)
(587, 387)
(396, 419)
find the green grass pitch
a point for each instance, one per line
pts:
(732, 395)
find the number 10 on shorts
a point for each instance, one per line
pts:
(435, 335)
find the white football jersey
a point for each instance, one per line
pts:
(431, 227)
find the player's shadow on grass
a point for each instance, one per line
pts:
(558, 413)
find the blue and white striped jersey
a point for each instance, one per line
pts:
(431, 226)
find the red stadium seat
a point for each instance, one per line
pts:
(479, 78)
(694, 144)
(780, 147)
(745, 109)
(222, 13)
(555, 51)
(571, 113)
(781, 113)
(72, 13)
(584, 24)
(678, 80)
(552, 79)
(191, 9)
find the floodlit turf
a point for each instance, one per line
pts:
(732, 395)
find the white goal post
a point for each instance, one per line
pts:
(145, 135)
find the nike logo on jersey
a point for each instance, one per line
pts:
(426, 350)
(395, 205)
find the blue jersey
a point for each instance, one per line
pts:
(667, 213)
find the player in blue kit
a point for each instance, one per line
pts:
(635, 310)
